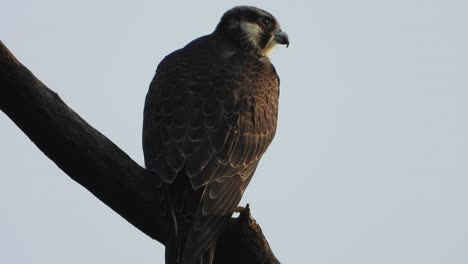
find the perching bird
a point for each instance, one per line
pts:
(210, 114)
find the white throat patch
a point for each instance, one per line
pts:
(269, 47)
(251, 33)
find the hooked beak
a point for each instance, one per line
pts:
(282, 38)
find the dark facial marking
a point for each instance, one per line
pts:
(266, 22)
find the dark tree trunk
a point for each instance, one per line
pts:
(96, 163)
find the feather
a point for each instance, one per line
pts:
(208, 119)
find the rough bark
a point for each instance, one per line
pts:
(96, 163)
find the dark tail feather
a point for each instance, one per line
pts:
(171, 252)
(208, 256)
(172, 247)
(172, 256)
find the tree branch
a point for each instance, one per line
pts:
(96, 163)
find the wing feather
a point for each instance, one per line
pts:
(210, 119)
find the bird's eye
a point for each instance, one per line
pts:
(266, 22)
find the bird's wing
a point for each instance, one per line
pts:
(210, 120)
(203, 118)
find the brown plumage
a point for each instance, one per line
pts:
(209, 116)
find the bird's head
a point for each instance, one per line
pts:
(252, 29)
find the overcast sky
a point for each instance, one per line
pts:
(369, 164)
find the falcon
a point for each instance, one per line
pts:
(210, 114)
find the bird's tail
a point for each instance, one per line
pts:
(208, 256)
(176, 244)
(172, 241)
(171, 252)
(193, 235)
(174, 253)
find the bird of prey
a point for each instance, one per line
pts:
(210, 114)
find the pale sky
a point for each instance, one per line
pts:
(369, 164)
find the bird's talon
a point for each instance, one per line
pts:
(239, 209)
